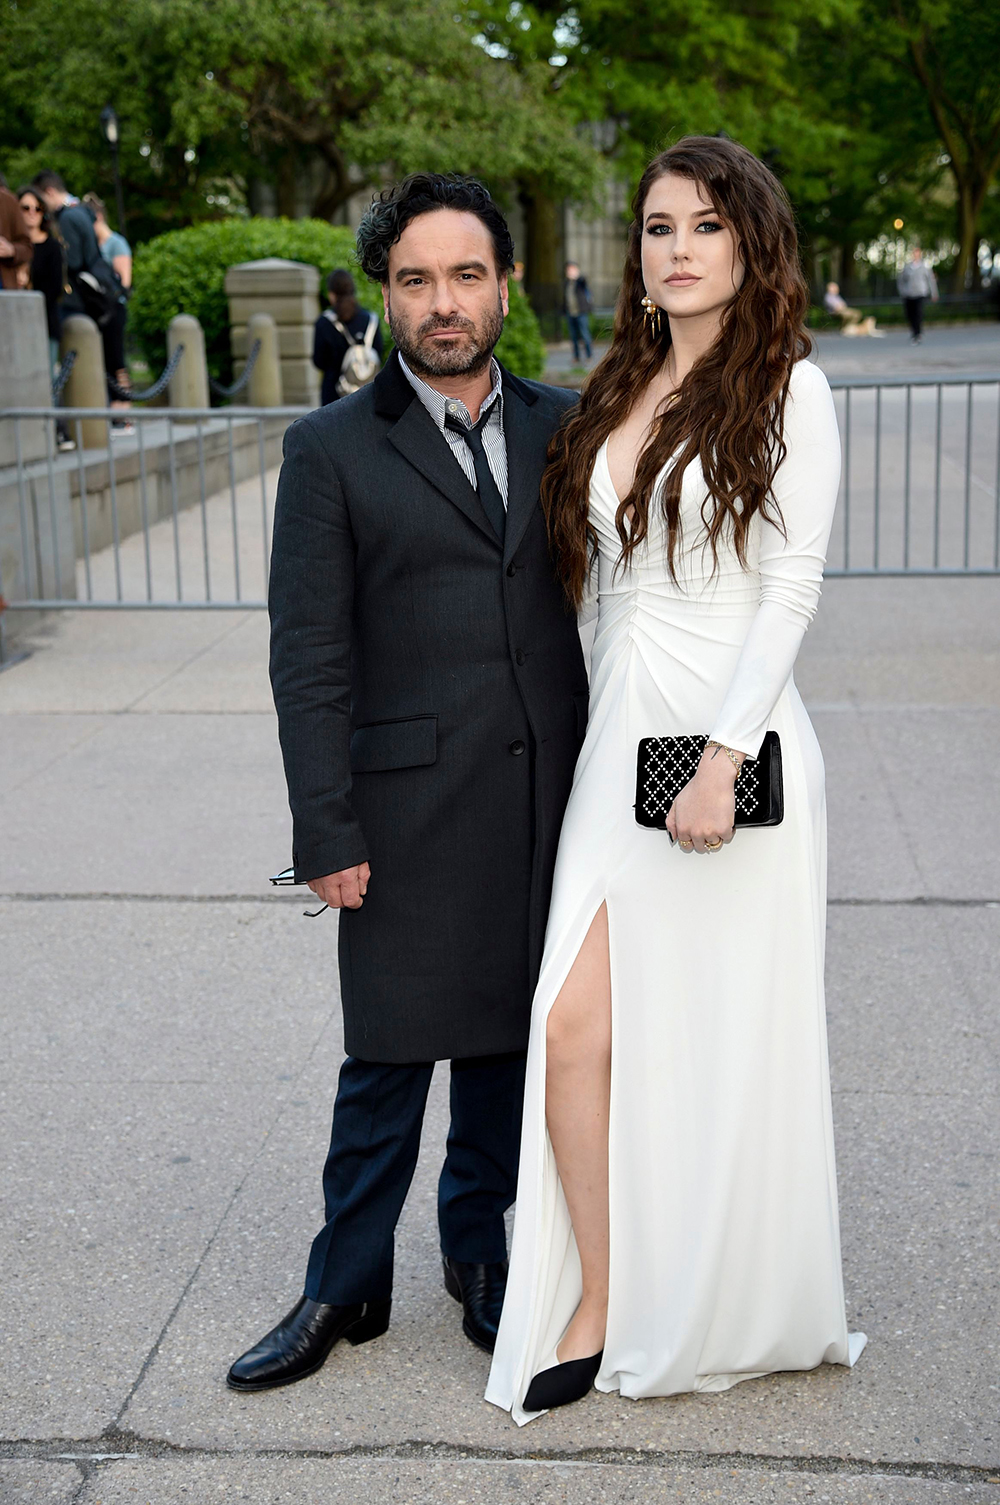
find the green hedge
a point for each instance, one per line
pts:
(521, 348)
(184, 271)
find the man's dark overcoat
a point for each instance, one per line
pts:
(432, 699)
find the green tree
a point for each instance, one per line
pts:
(952, 50)
(636, 76)
(213, 93)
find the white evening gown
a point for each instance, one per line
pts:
(725, 1245)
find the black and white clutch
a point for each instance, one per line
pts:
(665, 764)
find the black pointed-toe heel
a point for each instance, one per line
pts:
(562, 1384)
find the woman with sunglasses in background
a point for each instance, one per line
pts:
(46, 272)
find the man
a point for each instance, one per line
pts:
(76, 227)
(15, 242)
(577, 305)
(341, 327)
(431, 699)
(95, 288)
(916, 282)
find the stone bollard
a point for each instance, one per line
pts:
(264, 387)
(87, 386)
(189, 383)
(37, 556)
(289, 292)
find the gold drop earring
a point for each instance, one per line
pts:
(651, 314)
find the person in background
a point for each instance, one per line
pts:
(341, 327)
(577, 305)
(916, 283)
(15, 244)
(117, 252)
(851, 321)
(46, 272)
(114, 247)
(88, 269)
(518, 271)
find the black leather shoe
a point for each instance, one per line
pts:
(480, 1289)
(562, 1384)
(301, 1343)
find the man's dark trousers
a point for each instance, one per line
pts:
(377, 1120)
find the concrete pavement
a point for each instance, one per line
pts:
(172, 1041)
(966, 349)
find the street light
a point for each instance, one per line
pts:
(109, 125)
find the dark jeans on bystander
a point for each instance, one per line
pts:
(914, 310)
(579, 333)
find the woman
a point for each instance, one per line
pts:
(47, 271)
(114, 247)
(341, 327)
(677, 1070)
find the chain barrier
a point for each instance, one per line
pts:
(125, 394)
(59, 384)
(220, 391)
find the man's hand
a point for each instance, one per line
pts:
(344, 890)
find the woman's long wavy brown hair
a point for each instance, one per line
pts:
(728, 411)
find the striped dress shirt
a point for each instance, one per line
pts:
(494, 443)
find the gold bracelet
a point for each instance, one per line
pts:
(730, 753)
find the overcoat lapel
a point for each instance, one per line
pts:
(420, 442)
(527, 438)
(417, 439)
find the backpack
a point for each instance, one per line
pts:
(99, 293)
(361, 363)
(96, 283)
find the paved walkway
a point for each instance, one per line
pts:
(971, 349)
(171, 1047)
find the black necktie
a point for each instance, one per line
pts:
(489, 491)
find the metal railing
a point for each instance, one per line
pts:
(920, 490)
(178, 515)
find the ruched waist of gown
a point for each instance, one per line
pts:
(739, 592)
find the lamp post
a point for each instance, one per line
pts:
(109, 125)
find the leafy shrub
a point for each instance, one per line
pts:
(184, 271)
(520, 347)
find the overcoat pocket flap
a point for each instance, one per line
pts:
(384, 745)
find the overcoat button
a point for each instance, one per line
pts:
(517, 748)
(512, 570)
(519, 656)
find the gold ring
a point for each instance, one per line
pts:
(716, 848)
(685, 844)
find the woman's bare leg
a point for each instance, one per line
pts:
(577, 1107)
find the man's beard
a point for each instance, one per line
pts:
(430, 358)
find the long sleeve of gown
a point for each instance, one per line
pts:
(791, 561)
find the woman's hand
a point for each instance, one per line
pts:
(701, 817)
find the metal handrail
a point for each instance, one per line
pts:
(942, 379)
(158, 415)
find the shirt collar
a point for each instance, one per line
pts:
(439, 406)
